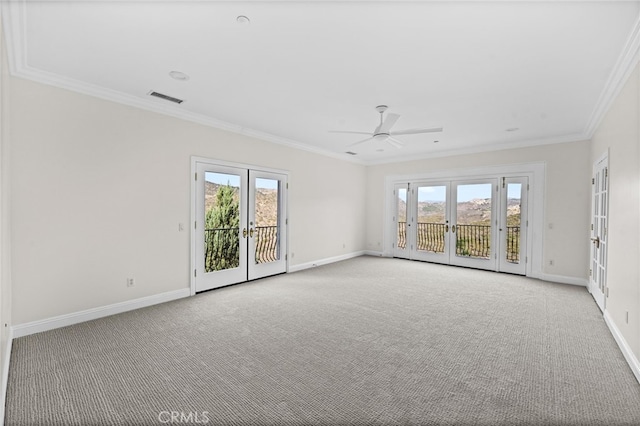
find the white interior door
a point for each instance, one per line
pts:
(221, 217)
(512, 225)
(599, 224)
(267, 224)
(240, 229)
(473, 218)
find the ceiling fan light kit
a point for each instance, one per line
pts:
(383, 131)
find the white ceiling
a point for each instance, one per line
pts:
(302, 68)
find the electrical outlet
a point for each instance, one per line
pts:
(551, 262)
(131, 282)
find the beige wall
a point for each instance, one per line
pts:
(99, 188)
(618, 132)
(566, 198)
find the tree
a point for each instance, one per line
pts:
(222, 224)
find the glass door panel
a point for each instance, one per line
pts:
(220, 217)
(401, 200)
(513, 221)
(267, 230)
(432, 227)
(222, 221)
(473, 216)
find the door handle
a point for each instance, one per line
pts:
(244, 233)
(596, 241)
(446, 228)
(453, 229)
(250, 232)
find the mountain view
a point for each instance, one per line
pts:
(473, 212)
(266, 203)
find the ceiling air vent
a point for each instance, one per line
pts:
(351, 153)
(166, 97)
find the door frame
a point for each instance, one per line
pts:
(193, 211)
(536, 173)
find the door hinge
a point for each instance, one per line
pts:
(592, 226)
(527, 187)
(495, 256)
(287, 185)
(286, 221)
(593, 181)
(195, 272)
(590, 272)
(196, 176)
(286, 256)
(526, 259)
(607, 291)
(606, 172)
(527, 222)
(503, 181)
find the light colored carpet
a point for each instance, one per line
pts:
(368, 341)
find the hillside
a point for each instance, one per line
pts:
(266, 203)
(473, 212)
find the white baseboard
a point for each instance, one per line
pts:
(5, 375)
(624, 346)
(562, 279)
(326, 261)
(26, 329)
(373, 253)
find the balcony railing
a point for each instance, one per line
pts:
(267, 244)
(471, 240)
(222, 247)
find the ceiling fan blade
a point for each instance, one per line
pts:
(416, 131)
(346, 131)
(394, 142)
(388, 123)
(362, 141)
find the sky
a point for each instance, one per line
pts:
(234, 180)
(465, 192)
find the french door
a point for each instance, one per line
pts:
(240, 225)
(478, 223)
(599, 214)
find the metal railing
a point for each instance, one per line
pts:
(431, 237)
(267, 244)
(222, 247)
(471, 240)
(513, 244)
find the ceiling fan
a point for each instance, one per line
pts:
(383, 131)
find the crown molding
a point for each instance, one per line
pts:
(623, 68)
